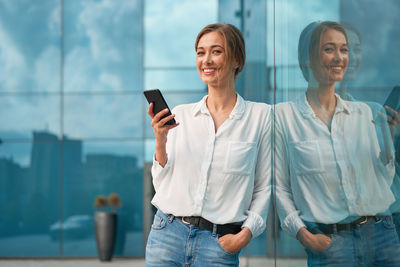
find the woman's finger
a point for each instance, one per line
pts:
(158, 116)
(169, 127)
(163, 121)
(395, 115)
(150, 110)
(392, 111)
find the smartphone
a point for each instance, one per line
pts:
(393, 100)
(159, 103)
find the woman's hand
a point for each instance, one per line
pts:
(314, 242)
(393, 120)
(160, 132)
(234, 243)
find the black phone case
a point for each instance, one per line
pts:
(155, 96)
(393, 99)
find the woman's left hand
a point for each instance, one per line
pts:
(234, 243)
(393, 120)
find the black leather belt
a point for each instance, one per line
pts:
(200, 222)
(329, 229)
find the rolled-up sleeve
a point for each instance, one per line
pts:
(287, 211)
(258, 211)
(158, 171)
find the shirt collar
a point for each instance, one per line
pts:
(341, 106)
(237, 112)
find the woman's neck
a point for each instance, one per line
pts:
(322, 97)
(323, 102)
(221, 99)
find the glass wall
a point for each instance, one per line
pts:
(73, 120)
(70, 124)
(334, 155)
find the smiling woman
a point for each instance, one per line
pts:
(211, 170)
(332, 178)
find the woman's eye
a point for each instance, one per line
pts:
(217, 52)
(199, 53)
(345, 50)
(328, 49)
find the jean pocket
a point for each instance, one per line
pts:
(388, 223)
(333, 239)
(223, 249)
(158, 222)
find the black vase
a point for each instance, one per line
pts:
(106, 228)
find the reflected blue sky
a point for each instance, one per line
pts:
(110, 47)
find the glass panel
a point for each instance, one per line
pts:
(103, 46)
(21, 116)
(103, 116)
(30, 46)
(29, 186)
(177, 46)
(174, 79)
(290, 83)
(336, 166)
(100, 168)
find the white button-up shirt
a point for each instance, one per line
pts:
(222, 176)
(326, 176)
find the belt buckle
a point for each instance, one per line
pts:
(183, 220)
(363, 221)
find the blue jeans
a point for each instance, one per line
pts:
(396, 220)
(370, 244)
(173, 243)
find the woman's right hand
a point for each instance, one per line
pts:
(160, 132)
(314, 242)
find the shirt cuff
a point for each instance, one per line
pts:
(292, 224)
(157, 170)
(255, 223)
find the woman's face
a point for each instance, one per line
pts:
(212, 63)
(354, 55)
(333, 57)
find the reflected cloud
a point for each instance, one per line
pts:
(14, 70)
(178, 36)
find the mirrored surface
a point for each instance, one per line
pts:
(30, 46)
(92, 169)
(103, 116)
(29, 185)
(22, 115)
(103, 46)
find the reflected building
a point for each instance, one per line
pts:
(13, 191)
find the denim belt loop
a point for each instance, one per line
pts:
(171, 217)
(389, 219)
(214, 232)
(334, 229)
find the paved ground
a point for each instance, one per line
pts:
(244, 262)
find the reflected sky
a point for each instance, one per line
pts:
(127, 46)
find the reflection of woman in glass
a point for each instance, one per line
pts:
(355, 57)
(332, 179)
(386, 131)
(212, 176)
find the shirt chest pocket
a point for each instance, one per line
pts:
(306, 157)
(240, 158)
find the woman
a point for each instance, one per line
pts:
(332, 179)
(386, 131)
(211, 172)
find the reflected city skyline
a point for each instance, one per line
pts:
(58, 174)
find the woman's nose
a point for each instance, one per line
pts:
(338, 56)
(208, 59)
